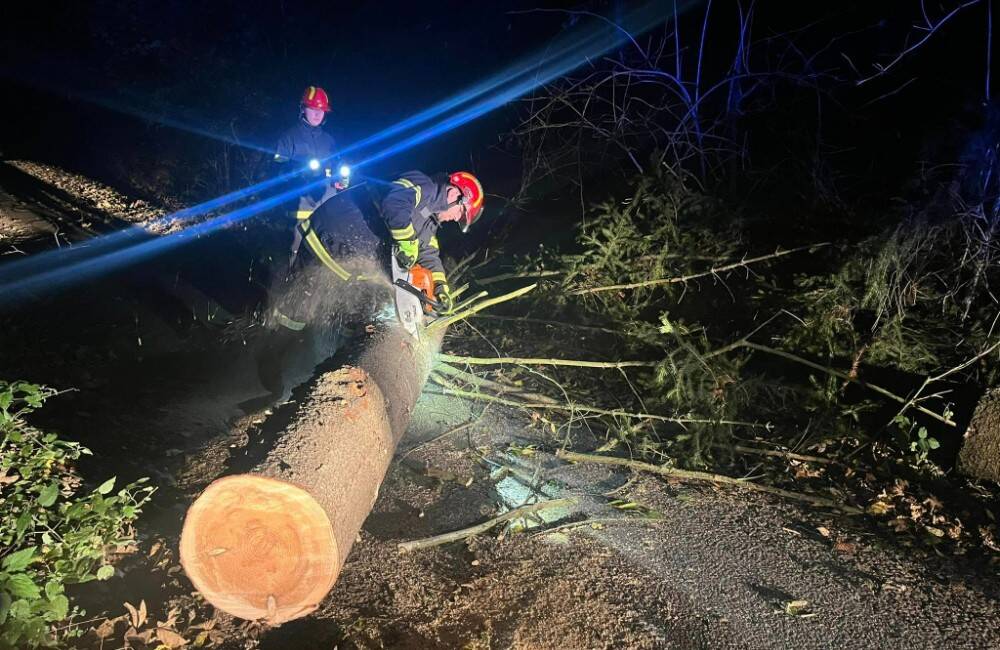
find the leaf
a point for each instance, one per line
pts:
(19, 560)
(105, 629)
(5, 601)
(22, 586)
(608, 446)
(60, 607)
(107, 485)
(53, 588)
(522, 450)
(23, 521)
(797, 607)
(105, 572)
(21, 609)
(133, 614)
(933, 503)
(170, 638)
(49, 495)
(878, 508)
(137, 616)
(843, 547)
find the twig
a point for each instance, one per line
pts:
(465, 533)
(930, 380)
(441, 323)
(779, 453)
(847, 377)
(687, 278)
(486, 361)
(482, 382)
(517, 276)
(931, 30)
(689, 475)
(599, 520)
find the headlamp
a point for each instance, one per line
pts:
(314, 164)
(345, 171)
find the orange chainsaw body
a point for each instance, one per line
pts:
(422, 279)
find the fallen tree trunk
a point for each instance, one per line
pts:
(980, 452)
(270, 544)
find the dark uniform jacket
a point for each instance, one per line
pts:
(410, 211)
(297, 146)
(302, 142)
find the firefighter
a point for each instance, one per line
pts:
(307, 148)
(414, 209)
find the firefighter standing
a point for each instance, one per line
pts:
(415, 208)
(307, 147)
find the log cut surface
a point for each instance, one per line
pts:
(259, 548)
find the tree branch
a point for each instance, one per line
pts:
(516, 513)
(687, 475)
(694, 276)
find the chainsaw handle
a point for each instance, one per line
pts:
(406, 286)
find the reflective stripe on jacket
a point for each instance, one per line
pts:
(410, 211)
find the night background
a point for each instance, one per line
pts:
(769, 230)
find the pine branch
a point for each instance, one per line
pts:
(687, 278)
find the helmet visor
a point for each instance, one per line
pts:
(470, 215)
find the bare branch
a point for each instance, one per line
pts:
(931, 29)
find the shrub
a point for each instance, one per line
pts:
(52, 533)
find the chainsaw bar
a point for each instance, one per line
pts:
(409, 308)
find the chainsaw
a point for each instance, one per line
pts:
(414, 297)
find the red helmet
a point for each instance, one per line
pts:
(472, 197)
(316, 97)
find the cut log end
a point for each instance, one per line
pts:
(259, 548)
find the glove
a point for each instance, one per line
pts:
(405, 252)
(443, 295)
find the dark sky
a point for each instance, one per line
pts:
(208, 63)
(231, 66)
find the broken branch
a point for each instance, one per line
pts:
(486, 361)
(482, 382)
(778, 453)
(688, 475)
(442, 323)
(598, 411)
